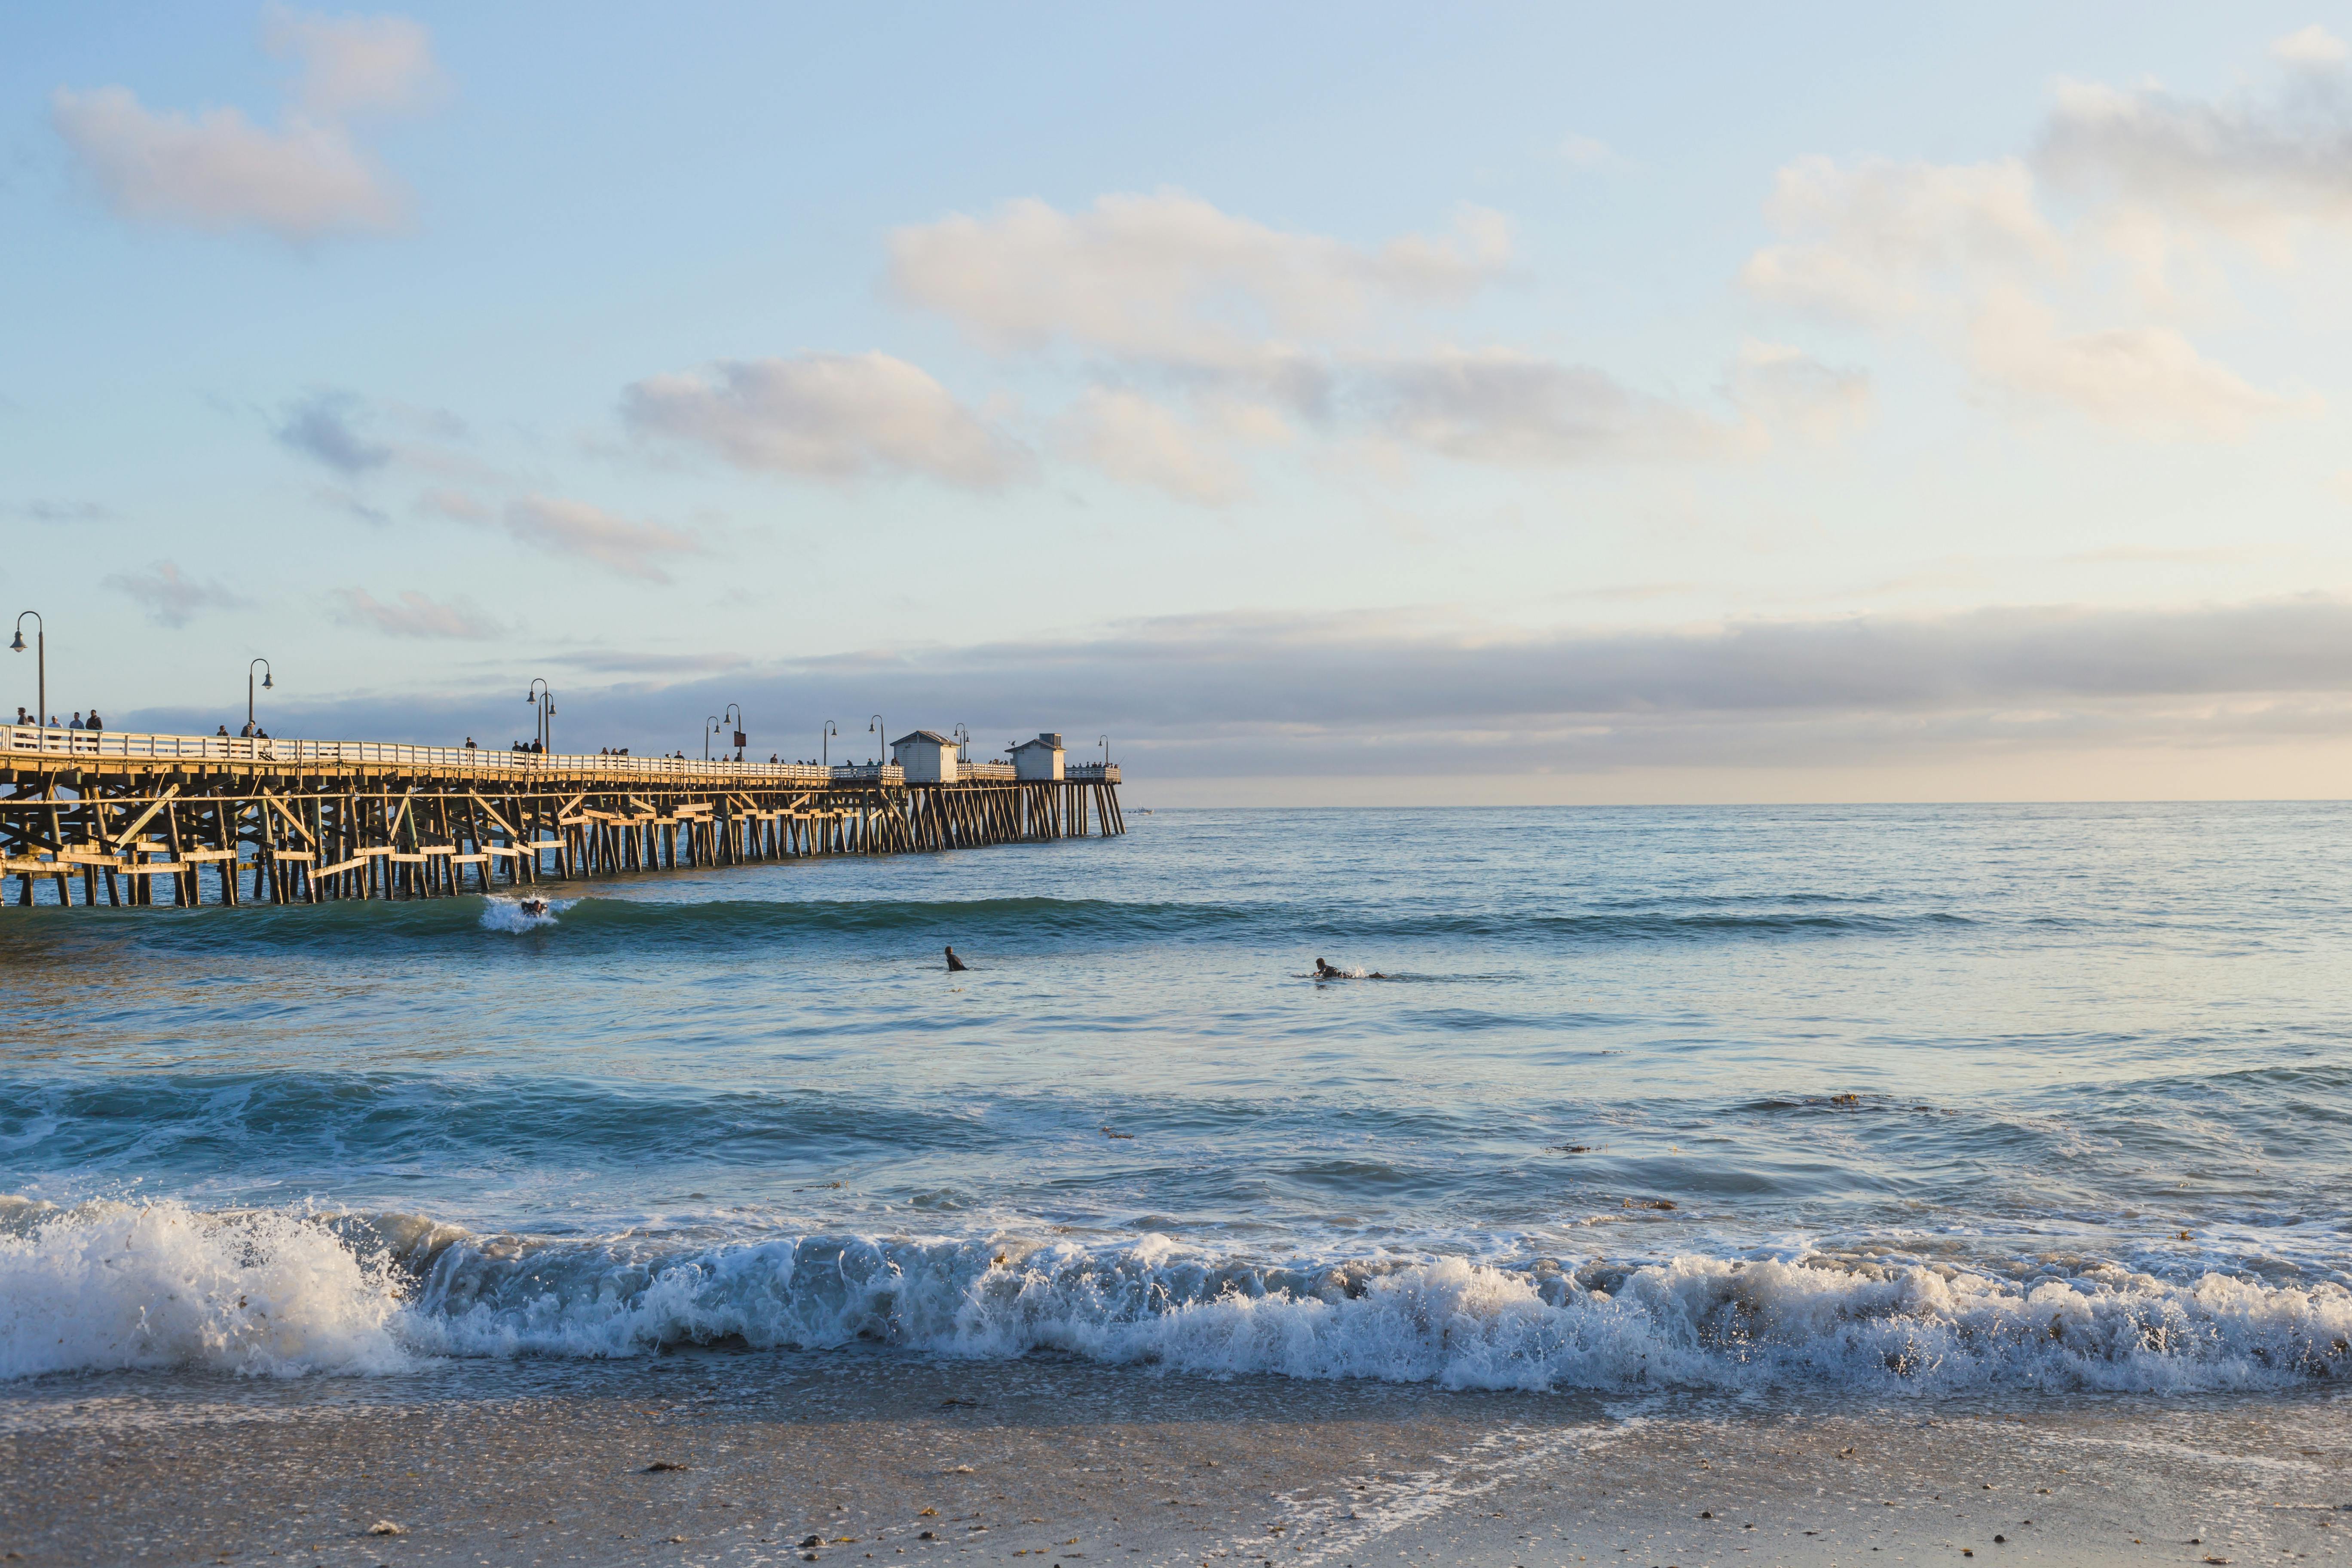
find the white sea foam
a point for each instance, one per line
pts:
(112, 1286)
(508, 914)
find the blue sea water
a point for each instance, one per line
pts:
(1919, 1097)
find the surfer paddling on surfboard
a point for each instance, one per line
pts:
(1325, 972)
(956, 965)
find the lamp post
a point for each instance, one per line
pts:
(881, 737)
(266, 684)
(1105, 739)
(734, 711)
(825, 744)
(963, 742)
(546, 711)
(709, 728)
(40, 661)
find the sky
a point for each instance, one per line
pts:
(1314, 405)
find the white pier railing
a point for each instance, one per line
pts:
(22, 740)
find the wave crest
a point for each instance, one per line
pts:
(112, 1286)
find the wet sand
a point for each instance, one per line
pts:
(1055, 1461)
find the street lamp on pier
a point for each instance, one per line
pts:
(963, 742)
(881, 737)
(266, 684)
(1105, 741)
(825, 744)
(545, 704)
(40, 661)
(734, 711)
(709, 728)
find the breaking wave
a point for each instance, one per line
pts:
(508, 915)
(108, 1285)
(111, 1286)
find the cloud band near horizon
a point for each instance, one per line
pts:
(1266, 696)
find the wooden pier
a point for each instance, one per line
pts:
(129, 819)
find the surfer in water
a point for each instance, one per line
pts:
(956, 965)
(1325, 972)
(533, 906)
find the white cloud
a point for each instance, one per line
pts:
(576, 529)
(1513, 409)
(2252, 166)
(1874, 240)
(1218, 314)
(1822, 281)
(825, 416)
(1169, 278)
(2311, 45)
(217, 170)
(1136, 440)
(356, 64)
(2146, 379)
(171, 597)
(1971, 256)
(1787, 389)
(415, 616)
(1219, 331)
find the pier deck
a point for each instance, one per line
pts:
(134, 819)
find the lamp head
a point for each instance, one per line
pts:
(265, 682)
(18, 645)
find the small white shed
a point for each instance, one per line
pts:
(928, 757)
(1038, 759)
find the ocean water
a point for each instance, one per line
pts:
(1913, 1099)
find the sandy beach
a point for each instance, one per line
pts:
(1055, 1460)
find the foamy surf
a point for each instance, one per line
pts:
(508, 915)
(113, 1286)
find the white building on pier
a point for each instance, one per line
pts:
(1038, 759)
(928, 757)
